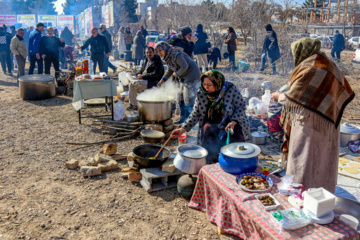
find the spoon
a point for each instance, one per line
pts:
(161, 148)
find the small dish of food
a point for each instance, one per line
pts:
(268, 201)
(254, 182)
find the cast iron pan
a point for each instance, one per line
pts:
(143, 153)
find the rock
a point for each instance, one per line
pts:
(124, 175)
(130, 169)
(131, 157)
(169, 128)
(157, 127)
(92, 161)
(168, 122)
(72, 164)
(168, 166)
(135, 176)
(99, 158)
(83, 163)
(88, 171)
(109, 149)
(107, 166)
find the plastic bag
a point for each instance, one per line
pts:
(286, 182)
(257, 106)
(119, 111)
(290, 219)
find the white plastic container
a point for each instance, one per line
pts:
(266, 97)
(268, 208)
(319, 201)
(123, 78)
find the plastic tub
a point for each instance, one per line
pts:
(268, 208)
(319, 201)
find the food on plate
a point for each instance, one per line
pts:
(266, 200)
(351, 170)
(97, 77)
(354, 165)
(84, 77)
(254, 182)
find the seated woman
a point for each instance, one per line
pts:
(218, 108)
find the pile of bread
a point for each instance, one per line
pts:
(87, 77)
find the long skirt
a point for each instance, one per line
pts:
(211, 142)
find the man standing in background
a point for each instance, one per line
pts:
(5, 60)
(107, 35)
(49, 49)
(99, 49)
(18, 48)
(34, 52)
(338, 45)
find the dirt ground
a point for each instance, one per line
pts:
(41, 199)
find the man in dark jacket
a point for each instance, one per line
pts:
(143, 30)
(68, 36)
(5, 40)
(183, 41)
(99, 49)
(107, 35)
(150, 74)
(270, 49)
(49, 49)
(34, 51)
(338, 45)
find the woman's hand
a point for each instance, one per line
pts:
(160, 83)
(178, 132)
(275, 96)
(230, 126)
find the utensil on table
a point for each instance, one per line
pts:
(228, 137)
(162, 147)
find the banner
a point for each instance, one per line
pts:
(65, 21)
(48, 20)
(91, 18)
(87, 23)
(81, 25)
(111, 13)
(27, 20)
(107, 15)
(8, 20)
(103, 14)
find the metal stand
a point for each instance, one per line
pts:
(106, 108)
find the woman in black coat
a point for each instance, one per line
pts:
(270, 49)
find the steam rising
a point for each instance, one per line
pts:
(167, 92)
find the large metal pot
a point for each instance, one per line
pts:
(152, 136)
(144, 153)
(258, 138)
(190, 158)
(238, 158)
(37, 87)
(155, 110)
(348, 133)
(347, 206)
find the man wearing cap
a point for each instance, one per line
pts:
(34, 51)
(49, 49)
(184, 40)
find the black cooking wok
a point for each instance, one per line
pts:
(143, 153)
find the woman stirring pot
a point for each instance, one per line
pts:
(218, 108)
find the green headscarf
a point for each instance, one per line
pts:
(217, 78)
(304, 48)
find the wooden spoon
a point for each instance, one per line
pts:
(161, 148)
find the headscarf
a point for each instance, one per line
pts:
(122, 29)
(304, 48)
(139, 34)
(216, 110)
(127, 30)
(170, 54)
(268, 27)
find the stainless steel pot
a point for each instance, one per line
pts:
(155, 110)
(348, 133)
(190, 158)
(152, 136)
(37, 87)
(258, 138)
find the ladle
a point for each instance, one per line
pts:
(162, 148)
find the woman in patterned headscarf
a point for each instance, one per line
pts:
(316, 96)
(218, 108)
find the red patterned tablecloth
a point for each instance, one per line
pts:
(238, 213)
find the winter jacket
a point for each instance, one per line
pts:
(34, 41)
(153, 72)
(107, 35)
(184, 44)
(98, 45)
(231, 42)
(339, 42)
(18, 46)
(128, 38)
(271, 46)
(138, 47)
(201, 46)
(5, 40)
(187, 70)
(235, 107)
(50, 46)
(67, 36)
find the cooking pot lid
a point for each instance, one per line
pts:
(192, 151)
(37, 78)
(258, 134)
(240, 150)
(348, 128)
